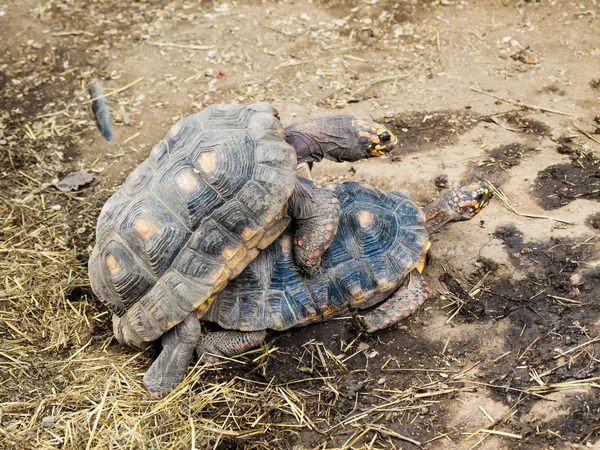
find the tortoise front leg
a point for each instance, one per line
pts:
(227, 343)
(316, 214)
(398, 307)
(170, 367)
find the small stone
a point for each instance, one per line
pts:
(526, 56)
(363, 346)
(48, 422)
(373, 354)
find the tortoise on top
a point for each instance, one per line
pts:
(212, 193)
(373, 260)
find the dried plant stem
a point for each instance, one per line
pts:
(523, 105)
(504, 199)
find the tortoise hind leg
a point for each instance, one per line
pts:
(170, 367)
(227, 343)
(316, 213)
(398, 307)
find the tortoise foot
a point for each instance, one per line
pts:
(169, 369)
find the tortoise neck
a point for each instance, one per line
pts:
(438, 214)
(308, 149)
(322, 138)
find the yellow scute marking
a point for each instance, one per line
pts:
(365, 218)
(174, 129)
(186, 181)
(144, 228)
(203, 306)
(208, 161)
(135, 174)
(112, 264)
(155, 150)
(228, 253)
(248, 233)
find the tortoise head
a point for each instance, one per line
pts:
(374, 139)
(467, 201)
(339, 138)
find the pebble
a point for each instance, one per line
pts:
(48, 422)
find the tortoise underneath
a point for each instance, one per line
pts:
(373, 260)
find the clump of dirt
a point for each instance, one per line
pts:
(441, 181)
(593, 221)
(595, 83)
(582, 422)
(529, 126)
(548, 310)
(524, 124)
(560, 184)
(499, 160)
(552, 88)
(567, 145)
(424, 130)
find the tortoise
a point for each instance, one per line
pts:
(375, 259)
(215, 191)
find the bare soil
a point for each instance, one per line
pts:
(503, 354)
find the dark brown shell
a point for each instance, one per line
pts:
(190, 218)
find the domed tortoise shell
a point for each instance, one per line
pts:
(190, 218)
(380, 239)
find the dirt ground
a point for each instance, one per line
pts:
(503, 354)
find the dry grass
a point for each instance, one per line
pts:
(60, 362)
(66, 383)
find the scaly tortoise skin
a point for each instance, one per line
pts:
(215, 191)
(373, 260)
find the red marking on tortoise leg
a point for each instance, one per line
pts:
(399, 306)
